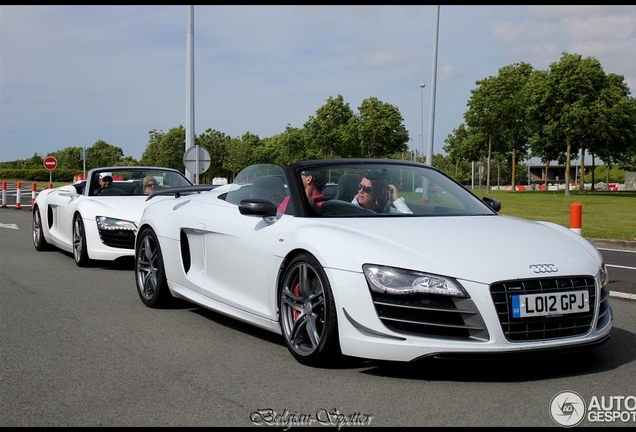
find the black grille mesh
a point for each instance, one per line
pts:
(542, 328)
(123, 239)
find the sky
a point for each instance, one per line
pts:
(73, 75)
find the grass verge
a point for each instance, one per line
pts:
(605, 215)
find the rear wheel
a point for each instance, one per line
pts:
(80, 254)
(150, 274)
(39, 241)
(308, 313)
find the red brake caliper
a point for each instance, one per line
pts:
(303, 334)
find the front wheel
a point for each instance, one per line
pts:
(80, 253)
(39, 242)
(150, 273)
(308, 313)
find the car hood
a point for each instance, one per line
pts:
(479, 248)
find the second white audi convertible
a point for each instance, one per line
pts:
(378, 259)
(96, 218)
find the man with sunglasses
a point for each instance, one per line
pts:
(314, 182)
(374, 193)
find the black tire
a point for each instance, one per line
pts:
(150, 274)
(307, 313)
(80, 253)
(39, 242)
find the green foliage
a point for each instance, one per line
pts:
(380, 129)
(38, 174)
(217, 144)
(332, 131)
(601, 174)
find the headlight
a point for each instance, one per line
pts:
(392, 280)
(603, 275)
(108, 223)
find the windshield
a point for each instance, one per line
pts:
(356, 188)
(123, 181)
(394, 189)
(259, 181)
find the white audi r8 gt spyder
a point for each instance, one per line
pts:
(393, 261)
(96, 223)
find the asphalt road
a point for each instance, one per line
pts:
(78, 348)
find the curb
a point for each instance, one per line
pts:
(613, 244)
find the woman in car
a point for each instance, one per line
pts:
(375, 193)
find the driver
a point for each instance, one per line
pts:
(314, 182)
(105, 181)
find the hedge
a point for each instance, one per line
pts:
(38, 174)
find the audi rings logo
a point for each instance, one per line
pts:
(567, 409)
(544, 268)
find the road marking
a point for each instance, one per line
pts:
(617, 250)
(10, 226)
(623, 295)
(623, 267)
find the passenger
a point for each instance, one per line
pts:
(314, 182)
(374, 193)
(105, 181)
(149, 184)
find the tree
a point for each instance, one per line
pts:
(171, 149)
(35, 161)
(216, 143)
(98, 155)
(151, 154)
(613, 130)
(329, 130)
(380, 129)
(464, 145)
(485, 113)
(290, 146)
(497, 109)
(239, 154)
(563, 101)
(515, 131)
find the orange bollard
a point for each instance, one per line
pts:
(4, 194)
(576, 214)
(18, 194)
(34, 187)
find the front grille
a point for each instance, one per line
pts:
(542, 328)
(430, 316)
(123, 239)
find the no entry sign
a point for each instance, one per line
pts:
(50, 163)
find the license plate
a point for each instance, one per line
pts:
(548, 304)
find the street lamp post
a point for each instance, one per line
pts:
(422, 117)
(431, 122)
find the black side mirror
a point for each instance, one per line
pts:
(494, 204)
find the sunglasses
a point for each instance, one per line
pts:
(151, 185)
(366, 189)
